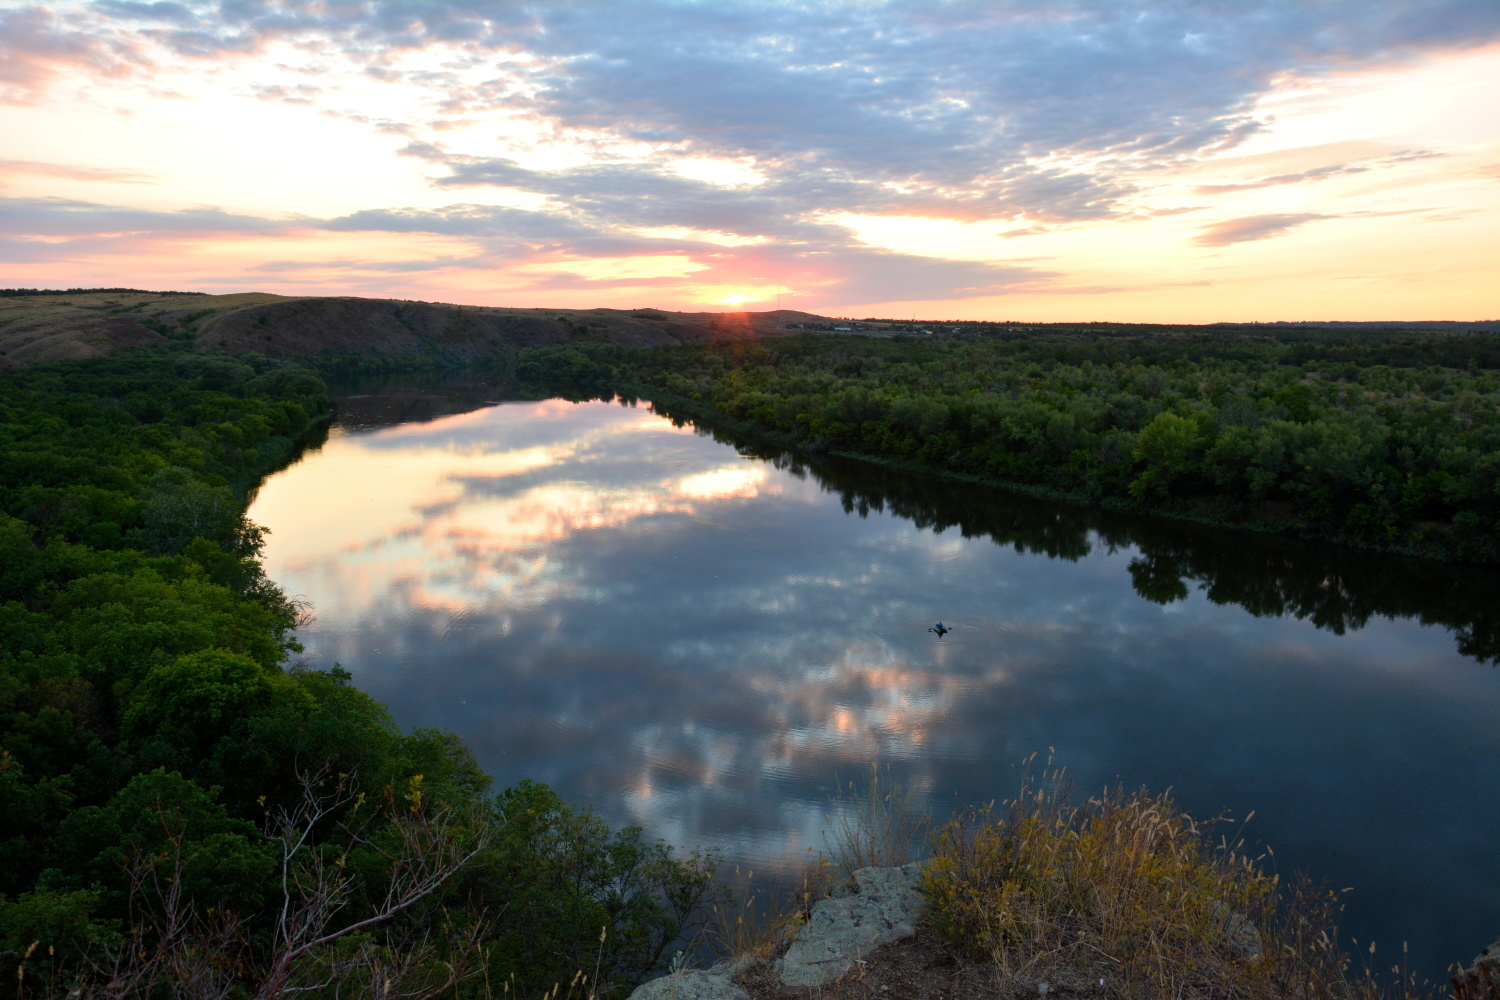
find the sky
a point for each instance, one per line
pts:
(1174, 161)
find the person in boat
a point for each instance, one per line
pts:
(940, 629)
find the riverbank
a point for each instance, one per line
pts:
(1372, 440)
(1266, 519)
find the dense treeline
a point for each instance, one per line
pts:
(1381, 438)
(183, 802)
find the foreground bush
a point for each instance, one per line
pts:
(1128, 889)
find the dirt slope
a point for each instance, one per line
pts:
(40, 328)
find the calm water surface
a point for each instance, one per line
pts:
(706, 643)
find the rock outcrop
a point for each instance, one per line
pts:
(884, 907)
(1481, 980)
(690, 984)
(840, 932)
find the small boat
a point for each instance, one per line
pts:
(940, 629)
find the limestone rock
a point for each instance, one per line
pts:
(1481, 980)
(690, 984)
(841, 931)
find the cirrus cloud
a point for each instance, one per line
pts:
(1253, 227)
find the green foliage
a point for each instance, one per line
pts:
(152, 730)
(1379, 438)
(179, 507)
(1167, 448)
(189, 700)
(227, 862)
(563, 877)
(64, 920)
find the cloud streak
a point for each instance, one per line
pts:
(1254, 227)
(115, 175)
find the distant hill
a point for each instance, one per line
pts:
(38, 326)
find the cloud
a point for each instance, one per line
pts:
(1324, 172)
(60, 217)
(304, 93)
(113, 175)
(964, 108)
(829, 268)
(505, 232)
(1026, 114)
(58, 229)
(542, 252)
(1321, 173)
(1045, 113)
(162, 10)
(1253, 227)
(38, 45)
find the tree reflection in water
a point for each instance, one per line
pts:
(1336, 588)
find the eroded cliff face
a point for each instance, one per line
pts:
(42, 328)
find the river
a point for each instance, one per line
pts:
(709, 641)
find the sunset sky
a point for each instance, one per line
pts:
(1171, 161)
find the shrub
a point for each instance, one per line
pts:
(1126, 886)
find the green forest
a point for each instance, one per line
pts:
(1380, 438)
(185, 806)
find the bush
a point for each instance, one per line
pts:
(1128, 887)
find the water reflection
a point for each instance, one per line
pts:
(1335, 588)
(703, 642)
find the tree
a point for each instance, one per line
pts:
(1167, 445)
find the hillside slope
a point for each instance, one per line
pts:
(41, 328)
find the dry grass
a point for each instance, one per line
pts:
(871, 824)
(758, 923)
(876, 823)
(1129, 883)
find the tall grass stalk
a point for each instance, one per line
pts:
(876, 823)
(757, 923)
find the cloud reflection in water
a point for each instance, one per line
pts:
(706, 644)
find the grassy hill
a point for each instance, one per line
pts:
(53, 327)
